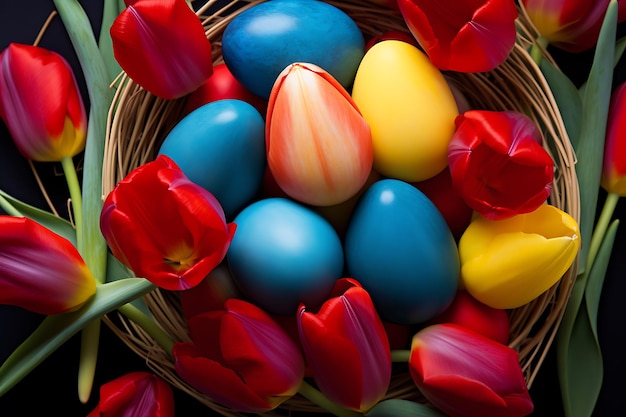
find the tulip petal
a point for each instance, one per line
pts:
(467, 36)
(175, 244)
(40, 270)
(224, 385)
(161, 45)
(135, 393)
(497, 163)
(466, 374)
(507, 263)
(251, 364)
(614, 166)
(319, 147)
(573, 26)
(347, 348)
(41, 103)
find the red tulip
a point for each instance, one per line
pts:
(497, 163)
(465, 374)
(223, 85)
(41, 104)
(319, 146)
(346, 347)
(161, 45)
(164, 227)
(463, 35)
(135, 394)
(468, 312)
(614, 167)
(39, 270)
(571, 25)
(241, 358)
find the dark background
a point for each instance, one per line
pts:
(51, 387)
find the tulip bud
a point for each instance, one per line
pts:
(319, 147)
(571, 25)
(175, 243)
(41, 104)
(41, 271)
(135, 394)
(465, 374)
(241, 358)
(497, 163)
(508, 263)
(462, 35)
(347, 348)
(162, 47)
(614, 168)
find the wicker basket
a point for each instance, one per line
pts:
(139, 122)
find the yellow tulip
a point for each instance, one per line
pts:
(508, 263)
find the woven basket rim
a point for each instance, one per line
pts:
(138, 122)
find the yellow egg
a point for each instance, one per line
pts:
(410, 109)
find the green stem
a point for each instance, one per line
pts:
(601, 226)
(147, 324)
(92, 245)
(8, 207)
(536, 50)
(316, 397)
(400, 356)
(75, 195)
(90, 337)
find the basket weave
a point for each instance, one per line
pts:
(139, 122)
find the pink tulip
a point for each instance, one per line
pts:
(241, 358)
(466, 374)
(319, 146)
(41, 104)
(161, 45)
(346, 347)
(41, 271)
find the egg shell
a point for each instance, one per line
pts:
(221, 147)
(410, 109)
(399, 247)
(263, 40)
(282, 254)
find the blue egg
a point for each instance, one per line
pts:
(282, 254)
(260, 42)
(399, 247)
(221, 147)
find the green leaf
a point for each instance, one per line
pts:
(580, 364)
(57, 329)
(90, 242)
(590, 147)
(117, 271)
(111, 9)
(57, 224)
(567, 98)
(402, 408)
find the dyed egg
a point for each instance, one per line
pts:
(263, 40)
(399, 247)
(221, 147)
(409, 107)
(284, 253)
